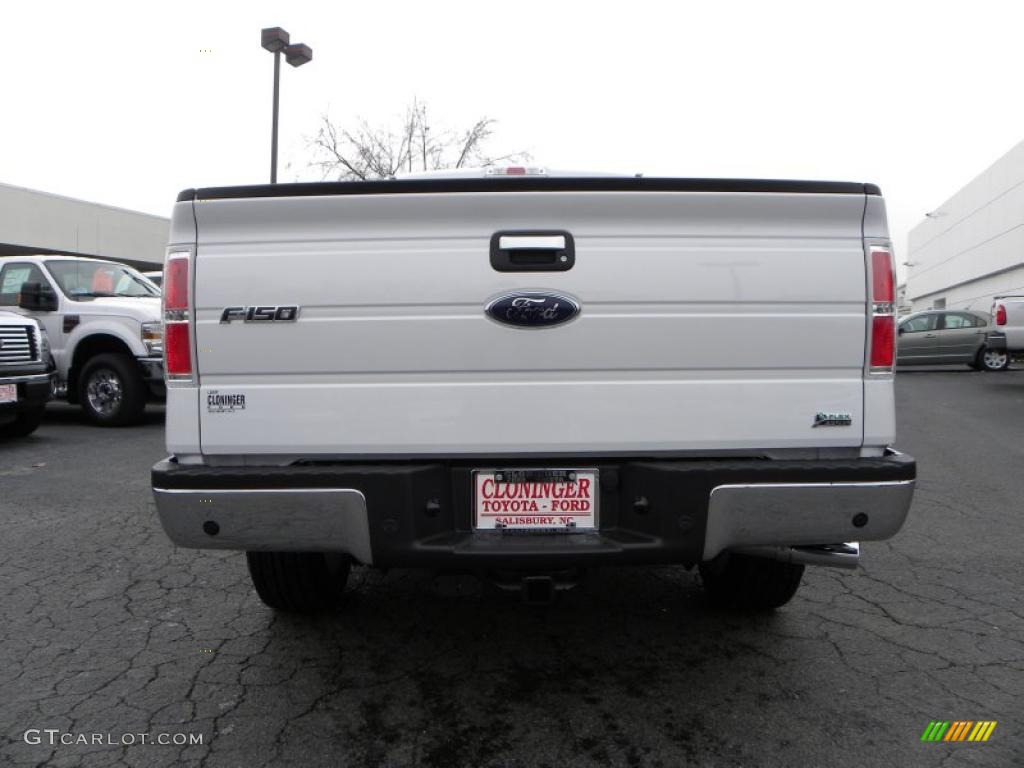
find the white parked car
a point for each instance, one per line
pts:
(103, 322)
(531, 374)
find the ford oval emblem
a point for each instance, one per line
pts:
(528, 309)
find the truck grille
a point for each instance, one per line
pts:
(17, 344)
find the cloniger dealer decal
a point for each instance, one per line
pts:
(218, 402)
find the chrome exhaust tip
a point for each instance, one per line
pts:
(845, 555)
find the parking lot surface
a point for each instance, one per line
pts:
(107, 630)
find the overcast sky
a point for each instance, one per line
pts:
(128, 103)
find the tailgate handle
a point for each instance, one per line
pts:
(532, 251)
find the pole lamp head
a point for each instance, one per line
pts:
(298, 54)
(274, 39)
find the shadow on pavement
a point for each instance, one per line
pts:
(67, 414)
(631, 660)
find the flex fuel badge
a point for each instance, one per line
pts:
(822, 419)
(224, 402)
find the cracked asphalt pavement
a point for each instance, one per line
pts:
(106, 628)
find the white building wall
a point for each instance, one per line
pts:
(39, 221)
(972, 246)
(978, 294)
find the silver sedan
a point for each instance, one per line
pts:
(945, 336)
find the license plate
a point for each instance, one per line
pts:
(8, 393)
(556, 500)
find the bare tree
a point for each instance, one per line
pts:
(365, 152)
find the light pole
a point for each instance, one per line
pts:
(275, 40)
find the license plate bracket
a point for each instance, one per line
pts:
(536, 500)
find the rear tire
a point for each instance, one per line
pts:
(993, 360)
(25, 423)
(111, 391)
(750, 583)
(299, 582)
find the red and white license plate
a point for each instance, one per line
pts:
(8, 393)
(535, 499)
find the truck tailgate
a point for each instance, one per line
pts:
(709, 320)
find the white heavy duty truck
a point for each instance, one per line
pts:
(103, 322)
(526, 374)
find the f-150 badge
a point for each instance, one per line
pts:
(264, 314)
(529, 309)
(822, 419)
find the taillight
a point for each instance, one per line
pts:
(883, 288)
(179, 359)
(176, 282)
(1000, 314)
(883, 310)
(177, 343)
(883, 342)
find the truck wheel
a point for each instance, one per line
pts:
(993, 360)
(111, 391)
(751, 583)
(298, 582)
(25, 423)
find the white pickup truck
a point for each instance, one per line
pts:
(104, 325)
(1008, 312)
(26, 374)
(527, 375)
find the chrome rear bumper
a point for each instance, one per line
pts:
(294, 519)
(419, 514)
(746, 517)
